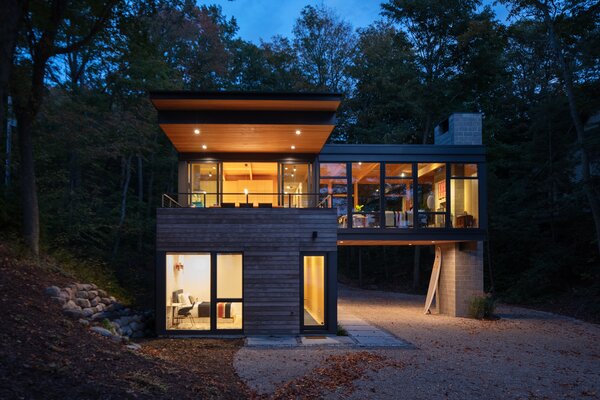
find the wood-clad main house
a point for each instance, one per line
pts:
(248, 244)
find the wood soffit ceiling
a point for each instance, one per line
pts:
(267, 131)
(234, 138)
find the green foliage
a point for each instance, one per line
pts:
(108, 326)
(482, 307)
(341, 331)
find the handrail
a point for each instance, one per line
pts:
(171, 200)
(288, 200)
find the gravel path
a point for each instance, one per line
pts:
(525, 355)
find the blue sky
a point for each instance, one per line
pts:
(265, 18)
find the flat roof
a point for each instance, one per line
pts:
(246, 122)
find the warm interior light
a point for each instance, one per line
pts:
(402, 174)
(292, 175)
(204, 147)
(286, 168)
(197, 131)
(298, 131)
(293, 147)
(245, 191)
(289, 187)
(359, 163)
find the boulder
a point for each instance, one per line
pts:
(92, 294)
(65, 295)
(93, 286)
(102, 293)
(88, 312)
(100, 307)
(84, 322)
(70, 305)
(59, 300)
(53, 291)
(135, 326)
(137, 334)
(112, 299)
(83, 303)
(133, 346)
(94, 302)
(116, 338)
(82, 294)
(101, 331)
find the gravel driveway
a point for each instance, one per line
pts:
(525, 355)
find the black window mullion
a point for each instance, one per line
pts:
(448, 223)
(349, 195)
(213, 291)
(382, 195)
(415, 194)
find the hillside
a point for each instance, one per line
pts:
(44, 354)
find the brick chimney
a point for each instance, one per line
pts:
(459, 128)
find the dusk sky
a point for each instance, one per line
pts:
(265, 18)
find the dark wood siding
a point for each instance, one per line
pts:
(271, 240)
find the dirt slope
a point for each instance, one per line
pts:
(46, 355)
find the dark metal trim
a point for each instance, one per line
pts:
(242, 95)
(458, 234)
(248, 157)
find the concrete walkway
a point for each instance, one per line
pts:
(367, 335)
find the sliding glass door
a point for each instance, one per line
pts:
(313, 292)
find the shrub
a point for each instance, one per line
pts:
(341, 331)
(482, 307)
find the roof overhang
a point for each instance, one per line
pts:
(246, 122)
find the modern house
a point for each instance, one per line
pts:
(248, 244)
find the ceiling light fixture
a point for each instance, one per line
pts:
(298, 131)
(204, 147)
(402, 174)
(286, 168)
(360, 163)
(197, 131)
(293, 147)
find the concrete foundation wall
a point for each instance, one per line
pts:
(461, 277)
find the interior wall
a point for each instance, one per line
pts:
(194, 278)
(229, 276)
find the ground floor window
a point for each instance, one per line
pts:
(314, 291)
(204, 291)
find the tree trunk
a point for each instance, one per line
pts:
(577, 122)
(123, 206)
(11, 19)
(29, 200)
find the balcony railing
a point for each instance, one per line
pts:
(246, 200)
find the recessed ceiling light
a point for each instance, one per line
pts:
(433, 241)
(209, 174)
(292, 175)
(298, 131)
(214, 167)
(293, 147)
(286, 168)
(197, 131)
(204, 147)
(402, 174)
(359, 163)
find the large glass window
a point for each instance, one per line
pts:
(464, 192)
(314, 291)
(204, 184)
(252, 183)
(366, 187)
(333, 190)
(431, 195)
(398, 196)
(229, 291)
(295, 181)
(188, 291)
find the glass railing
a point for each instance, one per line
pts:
(246, 200)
